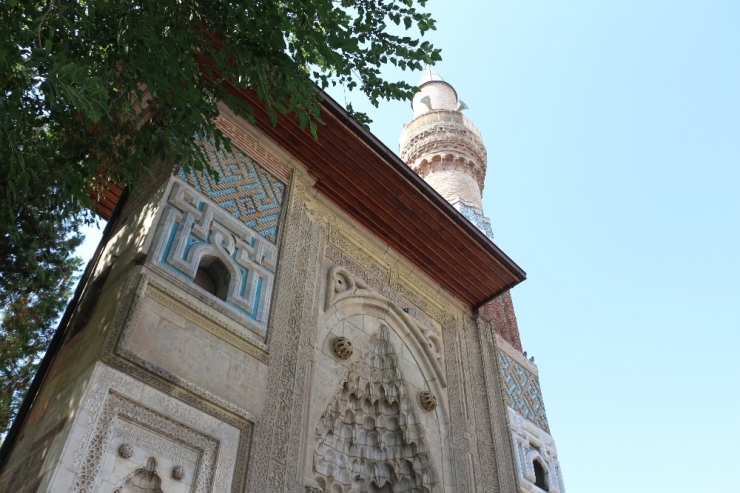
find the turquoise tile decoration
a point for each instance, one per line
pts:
(522, 391)
(244, 189)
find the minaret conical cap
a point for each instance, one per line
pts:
(429, 75)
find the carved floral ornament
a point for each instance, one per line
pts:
(343, 287)
(143, 480)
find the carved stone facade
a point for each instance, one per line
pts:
(246, 335)
(536, 457)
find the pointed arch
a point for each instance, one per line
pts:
(346, 294)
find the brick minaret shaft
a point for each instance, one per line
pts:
(446, 149)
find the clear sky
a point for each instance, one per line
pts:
(613, 136)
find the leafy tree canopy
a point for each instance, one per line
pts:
(38, 274)
(95, 88)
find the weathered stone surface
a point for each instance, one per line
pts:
(328, 363)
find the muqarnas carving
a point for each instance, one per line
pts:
(197, 235)
(370, 438)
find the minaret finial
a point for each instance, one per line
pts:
(429, 75)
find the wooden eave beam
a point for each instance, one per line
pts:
(399, 207)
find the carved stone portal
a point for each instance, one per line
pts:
(370, 438)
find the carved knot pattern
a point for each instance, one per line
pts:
(370, 438)
(243, 189)
(193, 230)
(125, 451)
(522, 391)
(342, 348)
(427, 401)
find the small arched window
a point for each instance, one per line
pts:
(540, 479)
(213, 277)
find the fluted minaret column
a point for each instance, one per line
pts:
(442, 145)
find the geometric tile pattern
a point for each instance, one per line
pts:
(243, 188)
(523, 392)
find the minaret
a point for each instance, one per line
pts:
(446, 149)
(442, 145)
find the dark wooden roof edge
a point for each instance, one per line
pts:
(404, 170)
(500, 272)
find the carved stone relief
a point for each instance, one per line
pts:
(342, 286)
(384, 272)
(531, 443)
(370, 437)
(121, 414)
(477, 410)
(125, 450)
(166, 334)
(479, 463)
(143, 480)
(193, 232)
(137, 291)
(292, 330)
(342, 348)
(427, 401)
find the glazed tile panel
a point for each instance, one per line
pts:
(242, 188)
(522, 390)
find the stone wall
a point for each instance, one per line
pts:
(327, 362)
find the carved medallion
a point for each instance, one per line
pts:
(427, 401)
(342, 348)
(125, 451)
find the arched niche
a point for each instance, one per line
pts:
(354, 311)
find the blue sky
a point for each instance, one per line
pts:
(613, 136)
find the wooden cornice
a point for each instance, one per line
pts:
(359, 174)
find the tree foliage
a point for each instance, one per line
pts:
(98, 90)
(38, 274)
(94, 88)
